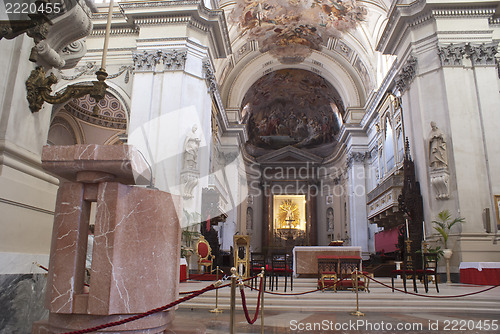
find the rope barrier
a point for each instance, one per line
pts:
(145, 314)
(244, 303)
(428, 296)
(300, 293)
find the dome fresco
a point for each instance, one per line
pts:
(291, 107)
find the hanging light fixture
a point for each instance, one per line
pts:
(291, 29)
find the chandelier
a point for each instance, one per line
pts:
(291, 29)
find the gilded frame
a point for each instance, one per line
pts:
(497, 208)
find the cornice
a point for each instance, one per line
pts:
(404, 16)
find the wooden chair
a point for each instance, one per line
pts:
(327, 273)
(429, 263)
(281, 265)
(407, 270)
(205, 257)
(257, 261)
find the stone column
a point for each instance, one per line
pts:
(135, 256)
(357, 200)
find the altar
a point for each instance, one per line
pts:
(481, 273)
(305, 258)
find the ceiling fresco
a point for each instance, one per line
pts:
(291, 29)
(291, 107)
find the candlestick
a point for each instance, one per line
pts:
(106, 36)
(423, 228)
(407, 230)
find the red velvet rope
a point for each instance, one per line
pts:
(194, 291)
(145, 314)
(428, 296)
(244, 303)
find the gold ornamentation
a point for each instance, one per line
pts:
(38, 89)
(288, 215)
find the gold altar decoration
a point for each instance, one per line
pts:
(288, 215)
(291, 29)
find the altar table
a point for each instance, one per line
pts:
(305, 258)
(481, 273)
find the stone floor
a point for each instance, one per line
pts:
(275, 322)
(329, 312)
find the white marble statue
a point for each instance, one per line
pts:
(191, 147)
(437, 148)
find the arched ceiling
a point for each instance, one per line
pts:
(347, 61)
(110, 113)
(291, 107)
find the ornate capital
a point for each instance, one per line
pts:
(356, 157)
(479, 54)
(408, 73)
(452, 55)
(160, 60)
(483, 54)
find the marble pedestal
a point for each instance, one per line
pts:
(135, 262)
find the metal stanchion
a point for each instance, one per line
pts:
(357, 313)
(233, 300)
(216, 309)
(263, 278)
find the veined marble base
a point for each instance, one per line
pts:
(21, 302)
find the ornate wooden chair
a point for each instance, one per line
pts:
(327, 273)
(429, 263)
(363, 281)
(205, 257)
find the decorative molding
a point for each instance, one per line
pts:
(343, 49)
(189, 181)
(73, 52)
(483, 54)
(440, 182)
(454, 12)
(91, 67)
(210, 77)
(152, 60)
(451, 55)
(116, 31)
(479, 54)
(100, 120)
(26, 206)
(407, 74)
(63, 40)
(356, 157)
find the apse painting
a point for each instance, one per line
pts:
(291, 29)
(292, 107)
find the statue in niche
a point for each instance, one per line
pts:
(249, 219)
(191, 146)
(437, 148)
(329, 220)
